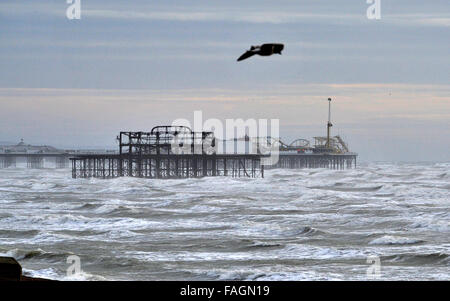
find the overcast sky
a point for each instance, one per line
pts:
(131, 65)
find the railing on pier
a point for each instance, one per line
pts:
(325, 160)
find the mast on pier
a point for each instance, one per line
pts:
(329, 125)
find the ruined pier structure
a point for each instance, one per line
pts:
(157, 154)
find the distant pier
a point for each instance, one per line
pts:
(35, 160)
(327, 152)
(330, 161)
(37, 156)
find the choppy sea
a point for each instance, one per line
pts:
(308, 224)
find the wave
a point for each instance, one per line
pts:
(53, 274)
(419, 259)
(348, 189)
(395, 240)
(306, 231)
(88, 206)
(263, 244)
(48, 273)
(276, 231)
(263, 274)
(18, 233)
(21, 254)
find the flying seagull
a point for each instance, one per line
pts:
(264, 50)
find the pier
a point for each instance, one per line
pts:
(327, 152)
(166, 166)
(37, 156)
(163, 153)
(330, 161)
(35, 160)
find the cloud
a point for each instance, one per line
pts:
(249, 14)
(222, 15)
(445, 22)
(266, 13)
(440, 19)
(384, 99)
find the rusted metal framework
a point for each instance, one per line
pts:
(167, 152)
(166, 140)
(164, 166)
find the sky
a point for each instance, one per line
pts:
(132, 65)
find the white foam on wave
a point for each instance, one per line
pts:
(394, 240)
(289, 252)
(40, 238)
(83, 276)
(432, 224)
(267, 273)
(13, 253)
(79, 222)
(47, 273)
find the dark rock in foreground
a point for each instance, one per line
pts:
(11, 270)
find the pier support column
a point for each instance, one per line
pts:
(214, 165)
(35, 162)
(6, 162)
(205, 166)
(61, 162)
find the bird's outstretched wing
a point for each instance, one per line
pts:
(246, 55)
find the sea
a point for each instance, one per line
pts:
(382, 221)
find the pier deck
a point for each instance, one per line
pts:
(331, 161)
(167, 166)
